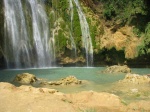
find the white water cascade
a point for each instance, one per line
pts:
(21, 49)
(28, 42)
(86, 38)
(73, 45)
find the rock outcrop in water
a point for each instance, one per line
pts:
(25, 78)
(136, 79)
(70, 80)
(116, 69)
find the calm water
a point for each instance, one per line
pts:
(97, 81)
(90, 74)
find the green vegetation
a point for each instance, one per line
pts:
(123, 9)
(147, 38)
(134, 13)
(76, 28)
(60, 41)
(89, 110)
(57, 9)
(63, 9)
(93, 31)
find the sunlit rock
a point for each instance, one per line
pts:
(116, 69)
(136, 79)
(37, 90)
(70, 80)
(25, 78)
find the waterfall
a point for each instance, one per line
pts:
(21, 49)
(86, 38)
(73, 45)
(30, 38)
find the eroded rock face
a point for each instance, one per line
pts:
(25, 78)
(136, 79)
(70, 80)
(68, 60)
(123, 38)
(116, 69)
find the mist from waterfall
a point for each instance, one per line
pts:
(25, 48)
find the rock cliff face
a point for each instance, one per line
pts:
(123, 39)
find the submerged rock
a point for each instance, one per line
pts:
(136, 79)
(25, 78)
(117, 68)
(70, 80)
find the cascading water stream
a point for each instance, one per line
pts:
(18, 43)
(86, 38)
(28, 42)
(23, 51)
(71, 11)
(73, 45)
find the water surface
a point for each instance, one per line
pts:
(98, 81)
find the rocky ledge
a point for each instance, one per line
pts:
(117, 69)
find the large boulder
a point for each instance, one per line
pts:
(70, 80)
(136, 79)
(25, 78)
(117, 68)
